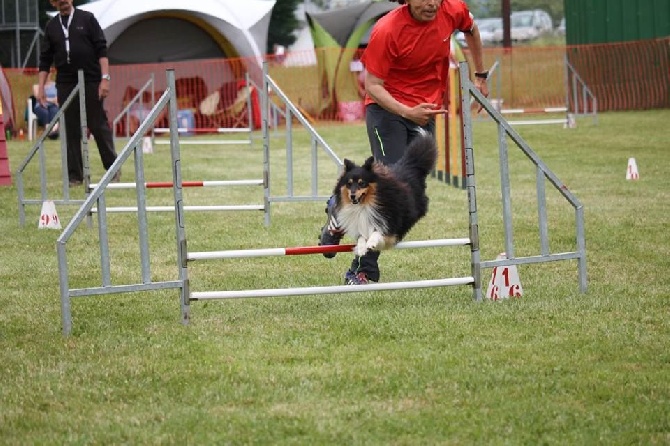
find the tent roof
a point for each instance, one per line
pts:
(244, 27)
(341, 23)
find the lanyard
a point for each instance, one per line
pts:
(66, 32)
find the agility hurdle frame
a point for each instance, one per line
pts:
(543, 174)
(184, 257)
(220, 130)
(579, 100)
(38, 149)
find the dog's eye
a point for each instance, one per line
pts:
(362, 183)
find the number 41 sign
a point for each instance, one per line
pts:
(504, 282)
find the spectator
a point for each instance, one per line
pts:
(73, 40)
(46, 113)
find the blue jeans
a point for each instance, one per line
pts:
(45, 114)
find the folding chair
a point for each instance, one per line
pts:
(220, 112)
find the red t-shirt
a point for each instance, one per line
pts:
(412, 57)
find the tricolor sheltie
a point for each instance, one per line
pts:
(377, 204)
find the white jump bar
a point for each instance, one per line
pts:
(212, 130)
(206, 142)
(539, 121)
(337, 289)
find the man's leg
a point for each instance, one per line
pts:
(363, 269)
(75, 165)
(99, 125)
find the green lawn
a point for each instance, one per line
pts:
(396, 367)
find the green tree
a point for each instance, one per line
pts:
(283, 23)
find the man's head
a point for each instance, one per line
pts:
(422, 10)
(64, 7)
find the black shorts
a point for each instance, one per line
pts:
(390, 134)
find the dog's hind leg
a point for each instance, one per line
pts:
(390, 241)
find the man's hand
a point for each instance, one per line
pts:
(422, 113)
(103, 89)
(483, 88)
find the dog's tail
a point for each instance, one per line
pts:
(420, 157)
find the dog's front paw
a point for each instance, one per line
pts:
(375, 242)
(361, 248)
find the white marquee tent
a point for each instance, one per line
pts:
(145, 31)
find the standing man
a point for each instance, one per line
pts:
(407, 63)
(73, 40)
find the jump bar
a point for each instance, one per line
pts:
(205, 130)
(303, 250)
(242, 207)
(512, 111)
(167, 184)
(539, 121)
(336, 289)
(201, 142)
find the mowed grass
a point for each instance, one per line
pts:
(398, 367)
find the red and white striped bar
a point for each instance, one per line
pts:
(245, 207)
(513, 111)
(305, 250)
(168, 184)
(336, 289)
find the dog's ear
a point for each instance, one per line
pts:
(368, 163)
(348, 165)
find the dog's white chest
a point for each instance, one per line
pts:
(359, 220)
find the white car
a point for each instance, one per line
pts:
(487, 29)
(527, 25)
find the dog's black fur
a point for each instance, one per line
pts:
(378, 204)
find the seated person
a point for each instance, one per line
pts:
(45, 114)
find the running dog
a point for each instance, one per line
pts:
(376, 204)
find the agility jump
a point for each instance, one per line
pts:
(184, 258)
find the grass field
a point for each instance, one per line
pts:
(395, 367)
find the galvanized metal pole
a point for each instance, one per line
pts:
(179, 201)
(475, 264)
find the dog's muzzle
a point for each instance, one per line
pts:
(356, 199)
